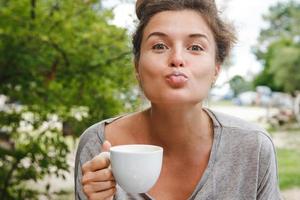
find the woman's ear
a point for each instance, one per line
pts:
(217, 71)
(216, 74)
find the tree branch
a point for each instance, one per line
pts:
(8, 178)
(32, 11)
(56, 23)
(109, 61)
(61, 51)
(50, 76)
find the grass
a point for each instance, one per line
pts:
(292, 127)
(220, 103)
(64, 195)
(289, 168)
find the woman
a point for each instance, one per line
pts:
(179, 47)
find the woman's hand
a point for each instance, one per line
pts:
(97, 179)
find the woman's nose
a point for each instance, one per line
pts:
(176, 59)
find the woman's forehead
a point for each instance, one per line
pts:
(183, 23)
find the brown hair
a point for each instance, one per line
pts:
(223, 33)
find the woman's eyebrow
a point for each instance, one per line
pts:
(199, 35)
(193, 35)
(161, 34)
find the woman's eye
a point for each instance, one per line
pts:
(195, 48)
(159, 46)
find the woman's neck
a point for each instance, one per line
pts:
(179, 128)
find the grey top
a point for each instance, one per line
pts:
(242, 163)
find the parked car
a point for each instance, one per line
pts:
(264, 96)
(221, 93)
(282, 100)
(245, 98)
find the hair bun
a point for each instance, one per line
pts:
(139, 5)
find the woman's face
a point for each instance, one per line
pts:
(177, 60)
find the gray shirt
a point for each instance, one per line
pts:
(242, 163)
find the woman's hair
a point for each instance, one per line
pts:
(222, 32)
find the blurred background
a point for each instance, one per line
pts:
(66, 64)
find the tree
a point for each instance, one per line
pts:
(63, 67)
(238, 84)
(279, 48)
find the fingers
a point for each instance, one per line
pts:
(102, 195)
(97, 176)
(97, 163)
(106, 146)
(109, 198)
(95, 187)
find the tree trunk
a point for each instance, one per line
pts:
(297, 106)
(32, 11)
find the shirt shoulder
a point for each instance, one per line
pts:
(233, 124)
(250, 149)
(237, 133)
(91, 140)
(229, 121)
(94, 132)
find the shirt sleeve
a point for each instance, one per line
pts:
(89, 146)
(79, 195)
(268, 187)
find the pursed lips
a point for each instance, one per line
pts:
(177, 79)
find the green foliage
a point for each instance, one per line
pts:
(288, 165)
(279, 48)
(266, 78)
(238, 84)
(63, 67)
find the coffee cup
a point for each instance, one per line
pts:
(137, 167)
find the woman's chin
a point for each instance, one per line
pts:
(176, 100)
(174, 96)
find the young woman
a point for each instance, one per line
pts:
(179, 47)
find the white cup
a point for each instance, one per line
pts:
(136, 168)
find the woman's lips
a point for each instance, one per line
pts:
(176, 79)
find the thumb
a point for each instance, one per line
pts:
(106, 146)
